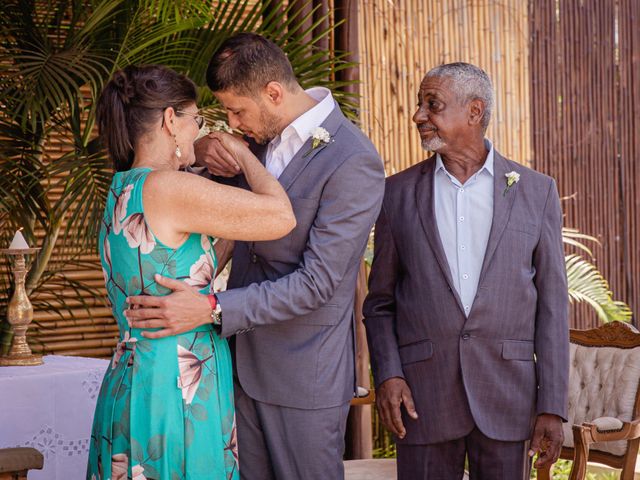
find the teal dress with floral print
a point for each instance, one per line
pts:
(165, 409)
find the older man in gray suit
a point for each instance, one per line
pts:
(289, 303)
(467, 309)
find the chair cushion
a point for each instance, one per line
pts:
(19, 459)
(603, 382)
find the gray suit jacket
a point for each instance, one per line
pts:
(506, 362)
(290, 301)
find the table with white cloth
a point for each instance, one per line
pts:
(50, 407)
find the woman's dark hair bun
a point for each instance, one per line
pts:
(132, 101)
(125, 89)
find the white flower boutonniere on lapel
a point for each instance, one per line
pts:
(321, 138)
(512, 179)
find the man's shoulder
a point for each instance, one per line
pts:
(410, 175)
(401, 186)
(528, 176)
(349, 146)
(352, 139)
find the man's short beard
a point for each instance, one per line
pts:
(433, 144)
(270, 127)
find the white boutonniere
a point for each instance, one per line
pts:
(512, 179)
(321, 138)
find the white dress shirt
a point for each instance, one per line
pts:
(464, 214)
(284, 147)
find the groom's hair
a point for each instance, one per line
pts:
(245, 63)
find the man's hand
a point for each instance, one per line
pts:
(178, 312)
(211, 153)
(389, 396)
(546, 440)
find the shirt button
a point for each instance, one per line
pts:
(462, 219)
(462, 190)
(465, 276)
(462, 247)
(466, 308)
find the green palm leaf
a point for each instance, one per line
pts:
(587, 284)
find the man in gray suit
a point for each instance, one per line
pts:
(467, 312)
(289, 302)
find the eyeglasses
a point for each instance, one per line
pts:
(200, 120)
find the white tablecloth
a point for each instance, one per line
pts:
(50, 408)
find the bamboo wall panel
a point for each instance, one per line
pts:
(401, 40)
(585, 92)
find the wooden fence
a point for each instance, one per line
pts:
(585, 96)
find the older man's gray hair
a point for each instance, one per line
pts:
(469, 83)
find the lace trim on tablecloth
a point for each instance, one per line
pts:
(51, 443)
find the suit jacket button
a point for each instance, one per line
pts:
(466, 336)
(254, 258)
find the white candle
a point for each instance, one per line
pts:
(18, 242)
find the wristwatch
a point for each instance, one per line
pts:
(216, 309)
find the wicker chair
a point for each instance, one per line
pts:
(604, 400)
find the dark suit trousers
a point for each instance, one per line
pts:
(488, 459)
(282, 443)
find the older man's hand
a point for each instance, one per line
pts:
(178, 312)
(390, 395)
(210, 153)
(546, 440)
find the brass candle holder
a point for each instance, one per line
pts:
(19, 312)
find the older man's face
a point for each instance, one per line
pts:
(441, 119)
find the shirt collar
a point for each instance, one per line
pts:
(306, 123)
(488, 163)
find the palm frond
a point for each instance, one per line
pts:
(573, 237)
(45, 63)
(86, 181)
(586, 284)
(59, 286)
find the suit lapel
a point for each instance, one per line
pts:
(502, 205)
(426, 212)
(306, 153)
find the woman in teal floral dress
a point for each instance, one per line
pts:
(165, 409)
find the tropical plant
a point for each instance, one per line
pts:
(587, 284)
(56, 55)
